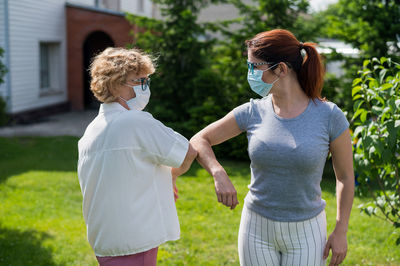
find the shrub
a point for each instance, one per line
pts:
(3, 71)
(376, 96)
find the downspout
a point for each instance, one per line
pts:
(7, 57)
(96, 3)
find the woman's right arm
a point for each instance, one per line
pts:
(216, 133)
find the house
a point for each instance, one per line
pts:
(48, 47)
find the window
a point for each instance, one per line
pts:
(44, 66)
(49, 66)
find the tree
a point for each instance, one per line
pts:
(372, 26)
(376, 96)
(3, 71)
(187, 94)
(254, 18)
(230, 52)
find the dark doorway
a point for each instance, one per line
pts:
(95, 43)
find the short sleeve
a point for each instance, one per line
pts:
(337, 123)
(242, 115)
(161, 144)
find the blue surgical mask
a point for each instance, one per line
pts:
(254, 77)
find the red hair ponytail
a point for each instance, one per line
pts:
(282, 46)
(311, 74)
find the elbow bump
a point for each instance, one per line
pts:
(192, 153)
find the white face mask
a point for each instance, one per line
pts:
(141, 99)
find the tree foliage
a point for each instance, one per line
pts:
(231, 54)
(260, 16)
(199, 78)
(186, 93)
(3, 71)
(376, 96)
(372, 26)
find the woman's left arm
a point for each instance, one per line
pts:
(342, 159)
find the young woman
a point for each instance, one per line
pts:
(126, 164)
(290, 132)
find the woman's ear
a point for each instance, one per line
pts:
(282, 69)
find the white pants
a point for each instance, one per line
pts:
(266, 242)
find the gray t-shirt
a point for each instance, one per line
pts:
(288, 157)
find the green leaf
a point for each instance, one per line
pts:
(376, 109)
(356, 81)
(355, 90)
(357, 104)
(392, 133)
(397, 103)
(385, 86)
(383, 60)
(387, 155)
(375, 60)
(363, 116)
(371, 151)
(382, 74)
(366, 62)
(357, 113)
(357, 131)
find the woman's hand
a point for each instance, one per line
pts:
(216, 133)
(174, 188)
(337, 241)
(187, 162)
(224, 189)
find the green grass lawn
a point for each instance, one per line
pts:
(41, 221)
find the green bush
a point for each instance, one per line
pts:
(3, 115)
(376, 96)
(3, 71)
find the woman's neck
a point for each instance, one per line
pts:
(289, 100)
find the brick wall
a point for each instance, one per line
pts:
(80, 24)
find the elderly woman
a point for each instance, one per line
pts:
(128, 164)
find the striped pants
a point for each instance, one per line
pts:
(266, 242)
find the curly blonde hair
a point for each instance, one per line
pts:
(110, 68)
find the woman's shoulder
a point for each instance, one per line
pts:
(324, 105)
(134, 118)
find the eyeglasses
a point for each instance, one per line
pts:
(144, 82)
(250, 65)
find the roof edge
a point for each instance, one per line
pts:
(96, 9)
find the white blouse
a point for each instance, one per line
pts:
(124, 170)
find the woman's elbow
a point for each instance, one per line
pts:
(192, 152)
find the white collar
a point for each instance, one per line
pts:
(111, 107)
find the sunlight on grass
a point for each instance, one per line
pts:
(41, 221)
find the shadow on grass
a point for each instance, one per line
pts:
(22, 154)
(241, 170)
(24, 248)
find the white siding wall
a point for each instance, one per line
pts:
(133, 7)
(32, 22)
